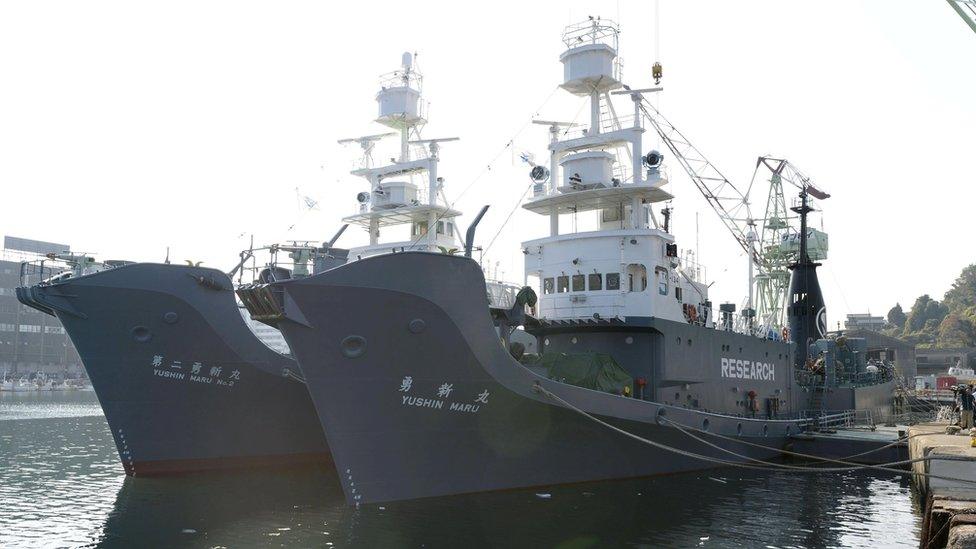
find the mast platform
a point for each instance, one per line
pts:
(596, 199)
(401, 215)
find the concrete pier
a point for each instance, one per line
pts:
(950, 506)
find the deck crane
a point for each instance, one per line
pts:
(778, 240)
(731, 204)
(967, 10)
(770, 260)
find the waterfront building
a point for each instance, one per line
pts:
(938, 361)
(31, 341)
(865, 321)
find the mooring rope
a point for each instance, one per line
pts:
(851, 466)
(767, 465)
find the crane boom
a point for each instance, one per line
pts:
(967, 10)
(731, 205)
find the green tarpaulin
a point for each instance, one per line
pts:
(596, 371)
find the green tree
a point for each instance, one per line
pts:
(924, 310)
(929, 323)
(957, 330)
(897, 317)
(962, 295)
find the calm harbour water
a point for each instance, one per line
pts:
(61, 485)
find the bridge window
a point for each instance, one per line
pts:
(596, 281)
(677, 293)
(613, 281)
(548, 285)
(562, 284)
(637, 277)
(579, 283)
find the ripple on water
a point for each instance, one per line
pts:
(50, 404)
(61, 485)
(46, 502)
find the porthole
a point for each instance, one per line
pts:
(417, 326)
(141, 334)
(705, 424)
(546, 342)
(767, 353)
(171, 317)
(740, 349)
(353, 346)
(573, 340)
(629, 340)
(661, 414)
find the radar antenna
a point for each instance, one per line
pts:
(367, 142)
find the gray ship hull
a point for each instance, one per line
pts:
(873, 399)
(422, 400)
(184, 383)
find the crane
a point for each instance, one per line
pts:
(778, 240)
(774, 254)
(967, 10)
(731, 204)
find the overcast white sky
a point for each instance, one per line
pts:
(127, 127)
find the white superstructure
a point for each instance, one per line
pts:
(629, 265)
(408, 190)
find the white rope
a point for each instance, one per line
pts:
(767, 465)
(853, 466)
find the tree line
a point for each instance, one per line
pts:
(939, 324)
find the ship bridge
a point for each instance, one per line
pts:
(629, 266)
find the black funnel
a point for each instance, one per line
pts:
(806, 312)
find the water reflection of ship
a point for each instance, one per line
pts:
(305, 507)
(223, 510)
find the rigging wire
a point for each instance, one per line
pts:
(508, 218)
(524, 193)
(487, 167)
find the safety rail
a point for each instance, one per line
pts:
(843, 419)
(592, 31)
(38, 270)
(401, 77)
(858, 379)
(501, 294)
